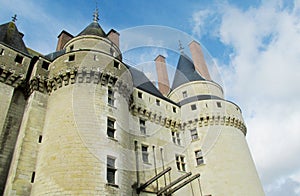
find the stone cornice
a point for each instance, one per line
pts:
(81, 75)
(211, 120)
(155, 116)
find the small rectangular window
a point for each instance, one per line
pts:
(174, 109)
(72, 57)
(111, 128)
(19, 59)
(193, 107)
(2, 51)
(111, 170)
(143, 126)
(219, 104)
(110, 98)
(184, 94)
(180, 162)
(194, 134)
(116, 64)
(199, 157)
(157, 102)
(40, 139)
(71, 47)
(140, 95)
(45, 65)
(145, 154)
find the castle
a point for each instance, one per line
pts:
(80, 121)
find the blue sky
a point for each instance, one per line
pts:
(254, 43)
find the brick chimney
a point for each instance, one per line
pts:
(63, 38)
(113, 36)
(162, 75)
(198, 59)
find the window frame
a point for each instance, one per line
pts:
(180, 162)
(199, 157)
(143, 129)
(194, 134)
(111, 169)
(176, 137)
(111, 129)
(110, 96)
(145, 153)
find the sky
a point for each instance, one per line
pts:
(254, 45)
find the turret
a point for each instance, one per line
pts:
(89, 92)
(215, 131)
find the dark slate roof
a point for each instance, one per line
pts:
(55, 54)
(93, 29)
(10, 36)
(141, 81)
(185, 72)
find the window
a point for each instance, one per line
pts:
(145, 154)
(143, 126)
(95, 58)
(110, 98)
(184, 94)
(116, 64)
(193, 107)
(40, 139)
(180, 162)
(19, 59)
(174, 109)
(72, 57)
(45, 65)
(71, 47)
(140, 95)
(157, 102)
(111, 128)
(32, 177)
(2, 51)
(219, 104)
(194, 134)
(199, 157)
(111, 170)
(176, 137)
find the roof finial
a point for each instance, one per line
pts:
(96, 14)
(14, 18)
(180, 47)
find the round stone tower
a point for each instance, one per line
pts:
(83, 133)
(215, 134)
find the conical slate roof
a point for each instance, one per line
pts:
(185, 72)
(10, 36)
(93, 29)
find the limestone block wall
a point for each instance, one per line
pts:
(196, 88)
(22, 169)
(9, 132)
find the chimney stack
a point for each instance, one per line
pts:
(63, 38)
(198, 59)
(162, 75)
(113, 36)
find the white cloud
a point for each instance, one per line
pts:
(263, 77)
